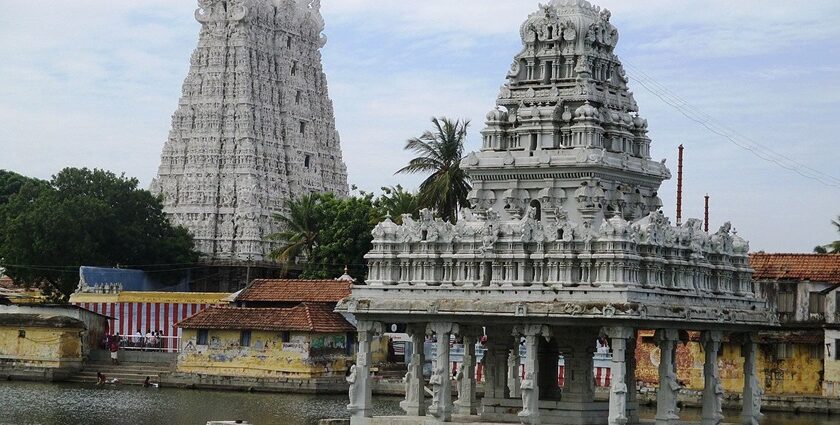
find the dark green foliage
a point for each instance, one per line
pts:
(330, 233)
(396, 201)
(440, 153)
(84, 217)
(344, 238)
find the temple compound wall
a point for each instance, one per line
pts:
(40, 347)
(564, 243)
(254, 127)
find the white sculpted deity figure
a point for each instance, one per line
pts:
(351, 379)
(411, 383)
(527, 389)
(437, 381)
(719, 401)
(459, 381)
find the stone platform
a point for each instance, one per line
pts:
(506, 410)
(475, 420)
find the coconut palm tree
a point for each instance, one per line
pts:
(834, 247)
(396, 201)
(439, 152)
(300, 229)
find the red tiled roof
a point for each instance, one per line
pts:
(285, 290)
(305, 317)
(796, 267)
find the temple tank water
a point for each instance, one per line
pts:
(24, 403)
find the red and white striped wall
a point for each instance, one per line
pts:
(127, 317)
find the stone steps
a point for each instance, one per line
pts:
(127, 373)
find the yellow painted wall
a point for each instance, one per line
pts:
(152, 297)
(303, 356)
(41, 347)
(799, 374)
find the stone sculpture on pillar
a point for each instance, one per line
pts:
(751, 413)
(413, 404)
(618, 390)
(359, 378)
(529, 387)
(441, 407)
(436, 381)
(666, 396)
(712, 391)
(351, 379)
(466, 403)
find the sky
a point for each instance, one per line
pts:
(94, 83)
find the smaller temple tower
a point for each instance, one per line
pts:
(564, 241)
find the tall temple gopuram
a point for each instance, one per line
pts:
(565, 242)
(254, 126)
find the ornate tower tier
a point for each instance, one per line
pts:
(254, 126)
(566, 137)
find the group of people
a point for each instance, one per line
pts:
(151, 339)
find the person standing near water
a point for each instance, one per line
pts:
(114, 347)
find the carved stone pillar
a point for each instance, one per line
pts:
(513, 363)
(712, 391)
(619, 390)
(666, 396)
(580, 380)
(630, 379)
(359, 379)
(441, 407)
(530, 389)
(466, 403)
(413, 405)
(751, 400)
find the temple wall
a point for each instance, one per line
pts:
(41, 354)
(800, 374)
(304, 355)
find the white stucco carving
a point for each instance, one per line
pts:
(254, 126)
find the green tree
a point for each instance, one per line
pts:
(345, 237)
(439, 152)
(834, 247)
(86, 217)
(328, 233)
(300, 227)
(396, 201)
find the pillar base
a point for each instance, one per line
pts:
(551, 412)
(411, 409)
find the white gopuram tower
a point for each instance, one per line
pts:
(254, 127)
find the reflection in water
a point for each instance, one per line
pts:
(50, 404)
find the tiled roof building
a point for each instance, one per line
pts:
(288, 293)
(306, 317)
(799, 267)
